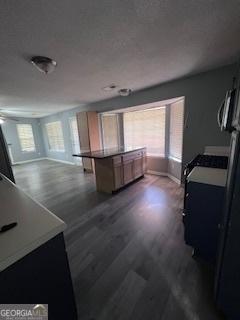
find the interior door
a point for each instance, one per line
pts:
(75, 140)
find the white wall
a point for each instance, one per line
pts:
(9, 129)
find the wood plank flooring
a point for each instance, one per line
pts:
(126, 252)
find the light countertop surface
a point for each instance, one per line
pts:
(35, 224)
(212, 176)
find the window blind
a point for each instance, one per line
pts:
(55, 136)
(25, 134)
(146, 128)
(176, 130)
(110, 131)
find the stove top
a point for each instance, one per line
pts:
(210, 161)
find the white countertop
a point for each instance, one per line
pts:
(35, 224)
(212, 176)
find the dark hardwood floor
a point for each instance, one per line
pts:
(126, 252)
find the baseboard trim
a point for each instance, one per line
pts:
(62, 161)
(174, 178)
(157, 173)
(165, 174)
(27, 161)
(45, 158)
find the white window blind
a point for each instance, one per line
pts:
(26, 137)
(147, 129)
(55, 136)
(176, 130)
(110, 131)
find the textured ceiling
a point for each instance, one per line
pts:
(132, 43)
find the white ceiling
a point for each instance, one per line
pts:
(132, 43)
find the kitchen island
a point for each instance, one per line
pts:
(116, 167)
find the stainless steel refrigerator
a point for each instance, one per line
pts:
(227, 281)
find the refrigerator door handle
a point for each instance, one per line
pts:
(220, 114)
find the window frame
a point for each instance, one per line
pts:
(49, 144)
(170, 155)
(102, 128)
(20, 139)
(149, 154)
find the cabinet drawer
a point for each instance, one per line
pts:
(131, 156)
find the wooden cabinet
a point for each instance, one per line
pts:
(118, 177)
(88, 130)
(128, 174)
(144, 160)
(114, 172)
(138, 167)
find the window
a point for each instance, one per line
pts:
(26, 137)
(110, 131)
(176, 130)
(146, 128)
(55, 136)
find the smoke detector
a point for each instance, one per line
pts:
(124, 92)
(44, 64)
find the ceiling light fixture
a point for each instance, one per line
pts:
(44, 64)
(110, 87)
(124, 92)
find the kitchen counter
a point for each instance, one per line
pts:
(35, 224)
(206, 175)
(117, 167)
(33, 259)
(106, 153)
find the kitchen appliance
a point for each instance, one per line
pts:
(204, 202)
(227, 281)
(5, 164)
(202, 160)
(225, 112)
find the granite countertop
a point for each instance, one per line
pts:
(106, 153)
(35, 224)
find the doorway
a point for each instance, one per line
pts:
(75, 140)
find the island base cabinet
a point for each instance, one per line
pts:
(115, 172)
(118, 177)
(42, 276)
(128, 175)
(138, 170)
